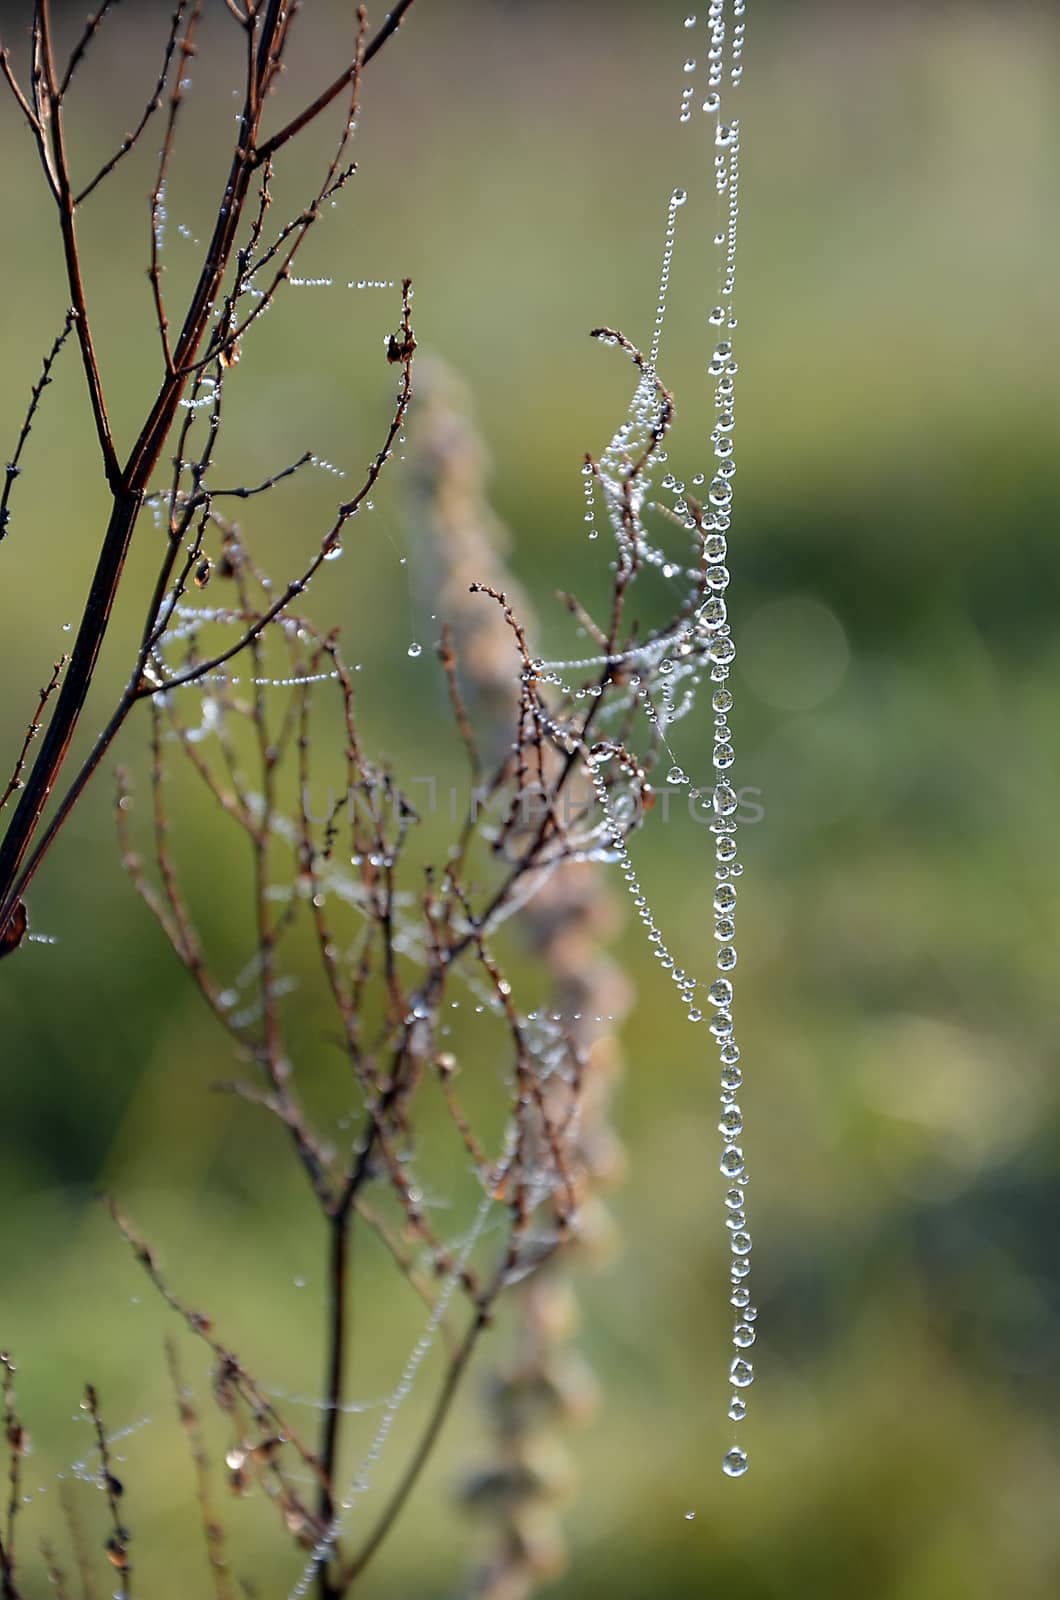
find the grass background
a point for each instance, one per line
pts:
(894, 596)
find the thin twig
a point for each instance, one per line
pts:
(14, 783)
(113, 1489)
(212, 1527)
(13, 468)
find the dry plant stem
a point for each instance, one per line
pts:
(213, 1529)
(406, 942)
(13, 468)
(266, 28)
(113, 1489)
(77, 1541)
(14, 783)
(339, 1242)
(15, 1441)
(231, 1370)
(56, 1575)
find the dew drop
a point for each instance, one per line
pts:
(732, 1162)
(415, 650)
(724, 897)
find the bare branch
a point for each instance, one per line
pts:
(212, 1527)
(91, 28)
(113, 1489)
(16, 1441)
(155, 100)
(14, 783)
(13, 469)
(393, 22)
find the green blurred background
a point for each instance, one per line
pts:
(894, 598)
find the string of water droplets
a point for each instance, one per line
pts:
(665, 656)
(725, 49)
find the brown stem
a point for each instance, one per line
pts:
(69, 705)
(335, 1374)
(71, 254)
(393, 22)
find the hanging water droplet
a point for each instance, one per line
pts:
(725, 802)
(712, 104)
(720, 992)
(732, 1162)
(724, 897)
(735, 1463)
(679, 196)
(737, 1408)
(415, 650)
(743, 1336)
(676, 775)
(741, 1373)
(722, 651)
